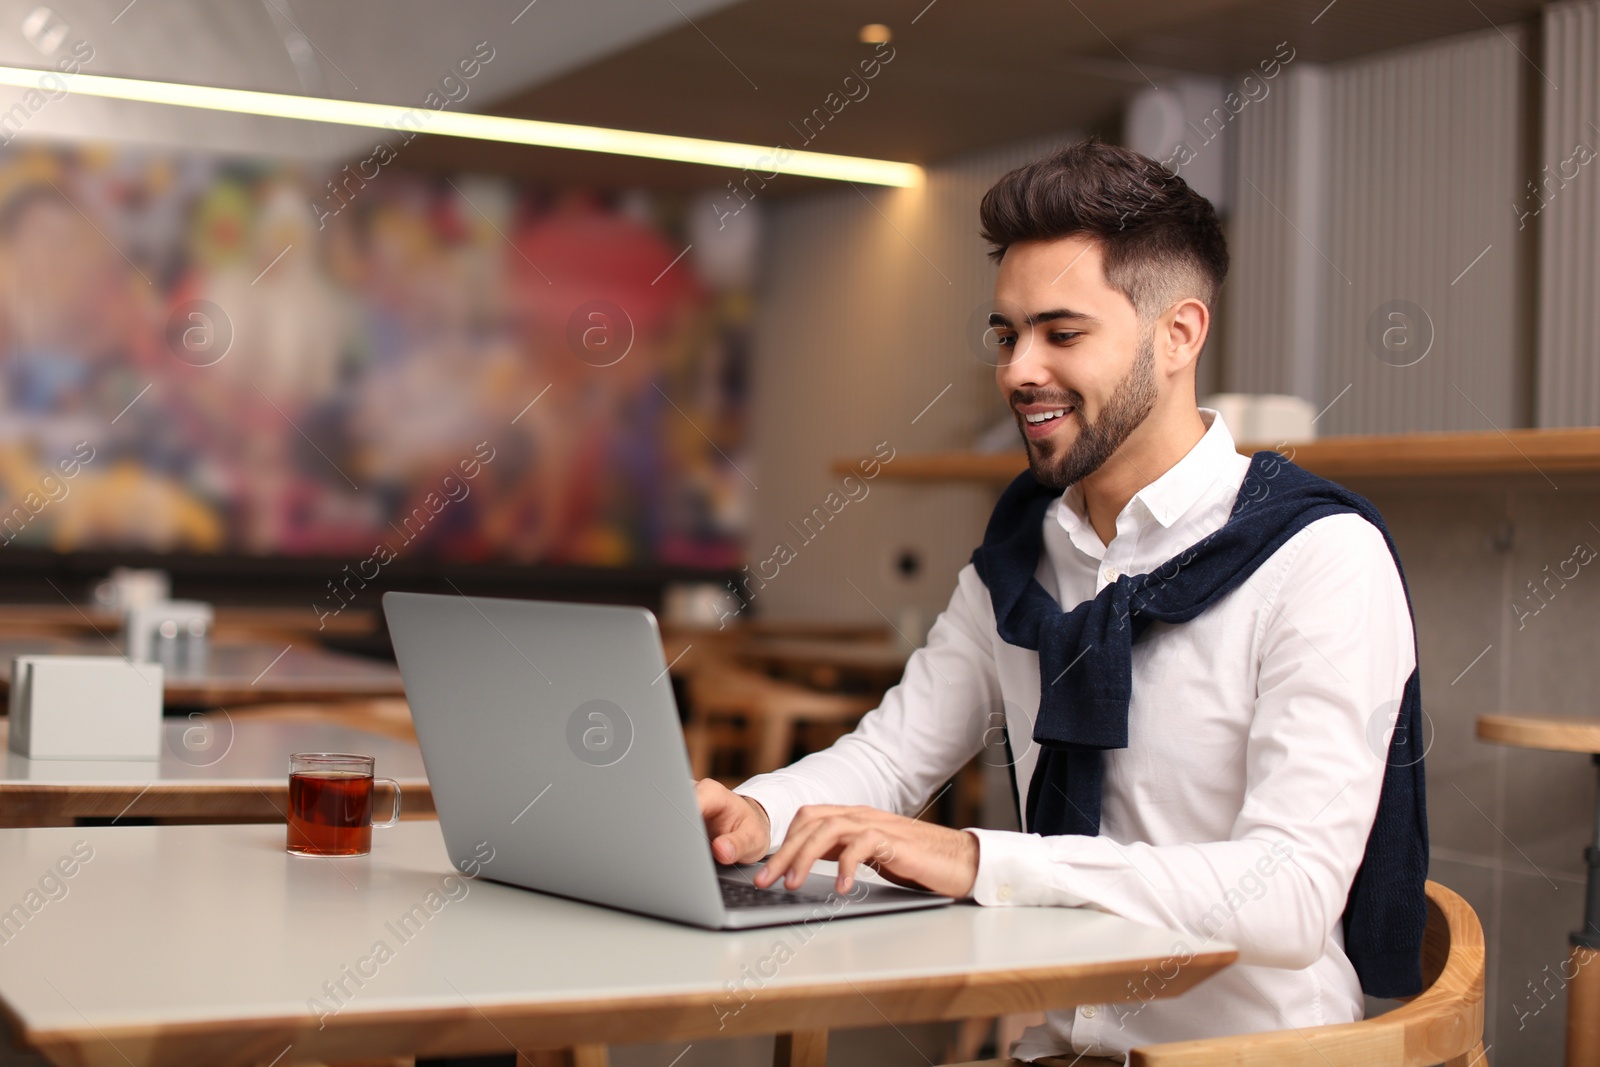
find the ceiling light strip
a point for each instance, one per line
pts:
(729, 154)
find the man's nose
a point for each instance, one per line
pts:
(1022, 366)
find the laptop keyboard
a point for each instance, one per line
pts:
(744, 895)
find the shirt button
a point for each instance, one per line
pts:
(1004, 893)
(1110, 574)
(1090, 1012)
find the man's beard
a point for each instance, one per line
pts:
(1131, 403)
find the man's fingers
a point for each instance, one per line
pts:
(723, 849)
(734, 848)
(737, 835)
(901, 850)
(745, 844)
(781, 861)
(820, 844)
(855, 852)
(777, 862)
(713, 797)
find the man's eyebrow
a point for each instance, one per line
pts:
(1053, 315)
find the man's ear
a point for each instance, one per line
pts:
(1181, 334)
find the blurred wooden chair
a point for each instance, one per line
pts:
(1443, 1025)
(732, 706)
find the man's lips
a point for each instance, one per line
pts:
(1041, 420)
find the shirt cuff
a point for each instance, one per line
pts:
(774, 798)
(1016, 869)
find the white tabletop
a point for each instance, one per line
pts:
(189, 944)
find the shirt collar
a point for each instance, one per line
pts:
(1168, 497)
(1175, 492)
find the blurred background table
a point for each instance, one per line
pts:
(216, 767)
(246, 672)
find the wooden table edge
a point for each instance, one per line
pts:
(479, 1027)
(224, 693)
(1548, 733)
(174, 799)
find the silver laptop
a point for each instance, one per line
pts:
(552, 742)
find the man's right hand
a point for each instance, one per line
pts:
(739, 829)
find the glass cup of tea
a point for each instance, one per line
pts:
(330, 804)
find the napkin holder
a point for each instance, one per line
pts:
(85, 708)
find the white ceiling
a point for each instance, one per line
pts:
(388, 51)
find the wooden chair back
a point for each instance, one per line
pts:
(769, 709)
(1442, 1025)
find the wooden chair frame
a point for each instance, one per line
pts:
(1442, 1025)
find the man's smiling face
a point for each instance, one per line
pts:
(1076, 367)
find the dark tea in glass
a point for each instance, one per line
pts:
(330, 804)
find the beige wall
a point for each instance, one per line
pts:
(865, 300)
(1508, 825)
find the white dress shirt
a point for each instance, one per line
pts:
(1240, 809)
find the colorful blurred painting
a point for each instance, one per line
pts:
(200, 356)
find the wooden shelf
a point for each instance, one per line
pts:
(1534, 453)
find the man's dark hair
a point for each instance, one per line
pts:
(1159, 240)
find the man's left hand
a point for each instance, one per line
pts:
(907, 851)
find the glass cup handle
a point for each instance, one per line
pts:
(394, 815)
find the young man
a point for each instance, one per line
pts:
(1199, 656)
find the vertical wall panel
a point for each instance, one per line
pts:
(1426, 166)
(1255, 298)
(1569, 220)
(1421, 167)
(1275, 294)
